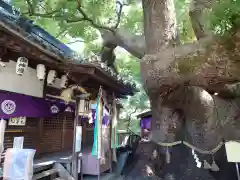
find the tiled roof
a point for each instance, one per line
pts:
(13, 19)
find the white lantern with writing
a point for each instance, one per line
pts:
(63, 81)
(41, 72)
(84, 107)
(52, 74)
(22, 64)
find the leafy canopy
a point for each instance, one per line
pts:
(69, 20)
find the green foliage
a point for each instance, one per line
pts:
(132, 19)
(224, 15)
(129, 66)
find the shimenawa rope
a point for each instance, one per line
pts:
(213, 151)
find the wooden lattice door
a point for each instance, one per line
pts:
(52, 134)
(68, 130)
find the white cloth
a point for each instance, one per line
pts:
(18, 164)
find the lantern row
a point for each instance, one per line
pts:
(22, 64)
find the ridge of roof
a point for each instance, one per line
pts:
(147, 112)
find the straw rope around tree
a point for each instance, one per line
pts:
(213, 151)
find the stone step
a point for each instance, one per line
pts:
(45, 174)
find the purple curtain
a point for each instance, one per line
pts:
(105, 120)
(146, 123)
(16, 105)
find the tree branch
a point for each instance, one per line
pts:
(86, 18)
(119, 14)
(134, 44)
(230, 91)
(196, 15)
(72, 42)
(31, 12)
(207, 63)
(61, 32)
(130, 117)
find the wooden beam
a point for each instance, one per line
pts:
(22, 47)
(23, 36)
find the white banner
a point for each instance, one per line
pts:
(78, 141)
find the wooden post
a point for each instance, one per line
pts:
(110, 136)
(64, 130)
(74, 154)
(40, 135)
(84, 132)
(99, 174)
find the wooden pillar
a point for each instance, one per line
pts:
(84, 132)
(74, 154)
(64, 131)
(110, 137)
(40, 137)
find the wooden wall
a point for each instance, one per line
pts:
(46, 135)
(30, 132)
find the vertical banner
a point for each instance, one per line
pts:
(114, 141)
(78, 139)
(99, 134)
(96, 149)
(2, 132)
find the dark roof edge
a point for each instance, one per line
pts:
(144, 114)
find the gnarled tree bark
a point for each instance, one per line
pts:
(179, 78)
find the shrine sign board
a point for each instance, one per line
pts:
(232, 151)
(19, 121)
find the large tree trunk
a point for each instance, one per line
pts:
(187, 113)
(180, 79)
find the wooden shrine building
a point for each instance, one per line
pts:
(34, 70)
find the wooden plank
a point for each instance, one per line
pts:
(45, 174)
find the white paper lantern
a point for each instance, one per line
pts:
(84, 107)
(63, 81)
(41, 72)
(22, 64)
(52, 74)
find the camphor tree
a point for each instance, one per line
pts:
(189, 54)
